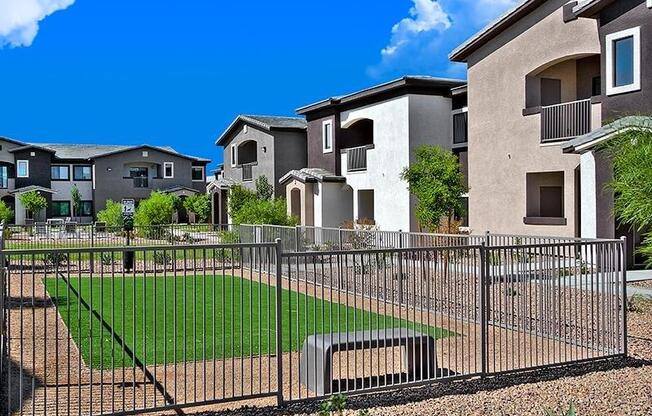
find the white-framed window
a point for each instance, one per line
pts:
(234, 155)
(22, 168)
(168, 170)
(623, 57)
(327, 136)
(198, 174)
(145, 153)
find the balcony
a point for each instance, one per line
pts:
(565, 121)
(140, 182)
(356, 159)
(247, 172)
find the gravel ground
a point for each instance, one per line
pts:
(602, 388)
(647, 284)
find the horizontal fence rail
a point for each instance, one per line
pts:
(295, 313)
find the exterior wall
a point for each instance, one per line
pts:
(63, 191)
(316, 156)
(289, 153)
(391, 153)
(307, 200)
(110, 181)
(39, 168)
(622, 15)
(7, 159)
(333, 204)
(265, 159)
(504, 145)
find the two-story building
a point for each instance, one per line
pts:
(547, 74)
(358, 145)
(256, 146)
(99, 172)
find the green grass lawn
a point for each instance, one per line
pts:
(214, 317)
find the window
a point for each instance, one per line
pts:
(139, 176)
(60, 208)
(596, 86)
(234, 155)
(197, 173)
(460, 126)
(23, 169)
(623, 61)
(545, 198)
(60, 173)
(82, 173)
(85, 209)
(327, 136)
(145, 153)
(4, 177)
(168, 170)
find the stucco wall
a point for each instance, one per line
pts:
(333, 204)
(289, 153)
(265, 158)
(306, 201)
(504, 145)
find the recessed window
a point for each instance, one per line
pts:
(85, 209)
(82, 173)
(60, 208)
(234, 155)
(623, 61)
(60, 173)
(460, 126)
(545, 198)
(168, 170)
(22, 168)
(197, 173)
(4, 177)
(327, 136)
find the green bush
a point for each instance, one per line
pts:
(273, 212)
(33, 202)
(264, 190)
(111, 215)
(155, 210)
(6, 214)
(238, 197)
(200, 205)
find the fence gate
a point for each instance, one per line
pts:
(85, 332)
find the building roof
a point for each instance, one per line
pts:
(30, 188)
(588, 141)
(312, 175)
(589, 8)
(180, 189)
(493, 29)
(407, 83)
(222, 183)
(268, 123)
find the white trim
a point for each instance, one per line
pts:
(203, 174)
(18, 162)
(649, 4)
(635, 33)
(323, 136)
(234, 155)
(165, 165)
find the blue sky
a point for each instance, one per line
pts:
(177, 72)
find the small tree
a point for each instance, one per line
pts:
(111, 215)
(6, 214)
(75, 195)
(33, 202)
(238, 197)
(264, 190)
(436, 181)
(200, 205)
(268, 211)
(157, 209)
(631, 155)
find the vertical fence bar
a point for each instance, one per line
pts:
(279, 323)
(623, 265)
(484, 323)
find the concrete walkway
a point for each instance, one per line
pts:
(638, 276)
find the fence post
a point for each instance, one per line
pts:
(3, 315)
(339, 237)
(279, 323)
(296, 238)
(487, 238)
(400, 268)
(484, 322)
(623, 264)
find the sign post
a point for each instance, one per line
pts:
(128, 211)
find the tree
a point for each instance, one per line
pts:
(264, 190)
(437, 183)
(238, 197)
(111, 215)
(157, 209)
(631, 156)
(6, 214)
(33, 202)
(200, 205)
(76, 200)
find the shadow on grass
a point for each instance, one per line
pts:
(442, 389)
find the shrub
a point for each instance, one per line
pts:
(6, 214)
(273, 212)
(33, 202)
(111, 215)
(334, 405)
(238, 197)
(162, 258)
(55, 259)
(200, 205)
(75, 196)
(264, 190)
(157, 209)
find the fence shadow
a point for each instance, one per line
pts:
(10, 401)
(442, 389)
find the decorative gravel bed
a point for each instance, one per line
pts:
(646, 284)
(620, 387)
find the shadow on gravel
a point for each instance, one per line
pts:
(417, 394)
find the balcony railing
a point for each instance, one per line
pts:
(140, 182)
(356, 159)
(248, 172)
(565, 121)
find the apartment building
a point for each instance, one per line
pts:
(256, 146)
(100, 172)
(358, 145)
(542, 81)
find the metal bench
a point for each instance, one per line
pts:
(315, 365)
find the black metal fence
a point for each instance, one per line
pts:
(122, 330)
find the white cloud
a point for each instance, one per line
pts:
(425, 16)
(19, 19)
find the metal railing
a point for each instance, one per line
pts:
(140, 181)
(122, 330)
(248, 172)
(565, 121)
(356, 159)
